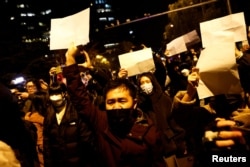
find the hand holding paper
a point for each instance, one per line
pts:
(137, 62)
(181, 43)
(218, 69)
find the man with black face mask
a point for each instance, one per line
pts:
(126, 137)
(68, 140)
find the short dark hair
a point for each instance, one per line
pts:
(120, 82)
(35, 82)
(57, 88)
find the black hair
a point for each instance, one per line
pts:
(152, 78)
(57, 88)
(35, 82)
(121, 82)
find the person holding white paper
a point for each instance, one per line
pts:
(212, 122)
(126, 137)
(158, 105)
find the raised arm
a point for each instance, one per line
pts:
(193, 80)
(77, 90)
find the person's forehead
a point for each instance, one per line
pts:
(29, 83)
(120, 92)
(145, 78)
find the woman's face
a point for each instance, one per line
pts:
(146, 85)
(144, 80)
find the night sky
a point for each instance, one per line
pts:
(125, 9)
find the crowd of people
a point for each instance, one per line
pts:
(88, 117)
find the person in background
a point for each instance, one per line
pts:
(126, 137)
(13, 131)
(158, 105)
(36, 117)
(203, 122)
(67, 140)
(33, 110)
(33, 92)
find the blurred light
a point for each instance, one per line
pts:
(104, 60)
(111, 18)
(18, 80)
(100, 10)
(98, 56)
(41, 24)
(46, 12)
(102, 18)
(23, 14)
(107, 6)
(30, 14)
(21, 6)
(110, 45)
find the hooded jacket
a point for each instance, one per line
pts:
(158, 105)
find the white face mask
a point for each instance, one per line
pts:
(185, 72)
(147, 88)
(57, 100)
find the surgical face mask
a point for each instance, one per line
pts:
(185, 72)
(147, 88)
(57, 100)
(121, 120)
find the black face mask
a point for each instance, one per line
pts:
(121, 120)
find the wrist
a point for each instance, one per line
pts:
(239, 55)
(70, 61)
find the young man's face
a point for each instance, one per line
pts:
(119, 98)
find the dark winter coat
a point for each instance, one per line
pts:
(69, 144)
(140, 148)
(158, 105)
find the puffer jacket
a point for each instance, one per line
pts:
(68, 144)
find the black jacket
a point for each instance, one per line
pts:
(69, 144)
(158, 105)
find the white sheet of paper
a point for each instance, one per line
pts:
(176, 46)
(73, 28)
(191, 38)
(137, 62)
(233, 23)
(218, 68)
